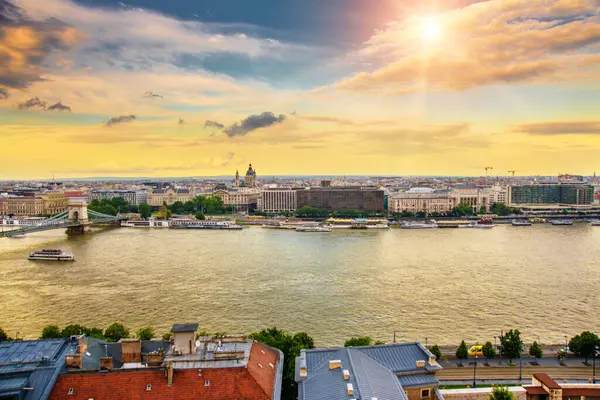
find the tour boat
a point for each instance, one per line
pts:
(279, 225)
(51, 255)
(520, 222)
(226, 225)
(561, 221)
(418, 225)
(19, 236)
(595, 222)
(454, 224)
(312, 229)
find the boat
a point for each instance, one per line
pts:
(279, 225)
(418, 225)
(479, 225)
(312, 229)
(520, 222)
(454, 224)
(595, 222)
(51, 255)
(145, 223)
(226, 225)
(561, 221)
(19, 236)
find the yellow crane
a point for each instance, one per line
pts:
(512, 172)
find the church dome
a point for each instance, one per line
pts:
(250, 171)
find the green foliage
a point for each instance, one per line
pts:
(71, 330)
(200, 216)
(500, 209)
(435, 350)
(420, 214)
(112, 206)
(177, 207)
(359, 341)
(94, 332)
(501, 393)
(145, 333)
(379, 342)
(3, 335)
(488, 350)
(511, 345)
(535, 350)
(311, 212)
(462, 209)
(290, 346)
(51, 332)
(145, 210)
(116, 332)
(482, 210)
(462, 353)
(403, 214)
(167, 336)
(164, 212)
(583, 345)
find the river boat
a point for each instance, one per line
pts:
(561, 222)
(225, 225)
(418, 225)
(595, 222)
(312, 229)
(19, 236)
(537, 220)
(279, 225)
(145, 223)
(51, 255)
(476, 225)
(520, 222)
(454, 224)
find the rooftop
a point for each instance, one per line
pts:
(191, 327)
(213, 353)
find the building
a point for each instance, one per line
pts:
(227, 368)
(157, 197)
(403, 371)
(544, 387)
(420, 202)
(242, 200)
(135, 197)
(478, 198)
(54, 203)
(29, 368)
(277, 200)
(22, 206)
(336, 198)
(573, 194)
(249, 179)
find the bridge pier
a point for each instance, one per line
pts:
(77, 230)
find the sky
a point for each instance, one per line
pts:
(339, 87)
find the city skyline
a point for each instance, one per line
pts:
(180, 89)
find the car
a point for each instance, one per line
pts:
(476, 350)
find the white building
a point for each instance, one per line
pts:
(277, 200)
(136, 197)
(420, 201)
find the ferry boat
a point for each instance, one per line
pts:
(312, 229)
(454, 224)
(51, 255)
(227, 225)
(19, 236)
(479, 225)
(141, 223)
(279, 225)
(520, 222)
(595, 222)
(561, 221)
(418, 225)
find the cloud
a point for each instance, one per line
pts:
(150, 95)
(560, 128)
(254, 122)
(180, 121)
(3, 94)
(58, 107)
(495, 42)
(120, 120)
(34, 102)
(213, 124)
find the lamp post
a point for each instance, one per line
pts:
(475, 371)
(596, 348)
(566, 346)
(520, 369)
(425, 342)
(495, 347)
(395, 336)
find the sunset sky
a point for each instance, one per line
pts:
(370, 87)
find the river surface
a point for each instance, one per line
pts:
(441, 284)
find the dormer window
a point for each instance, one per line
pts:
(71, 391)
(148, 387)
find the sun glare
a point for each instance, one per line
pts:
(430, 28)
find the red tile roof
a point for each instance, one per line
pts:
(577, 392)
(535, 390)
(205, 384)
(546, 380)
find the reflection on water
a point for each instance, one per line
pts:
(446, 285)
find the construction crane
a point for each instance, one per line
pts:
(512, 172)
(486, 170)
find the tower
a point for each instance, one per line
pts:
(237, 178)
(250, 179)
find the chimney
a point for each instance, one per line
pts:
(420, 363)
(106, 363)
(131, 350)
(333, 364)
(346, 375)
(349, 389)
(170, 373)
(74, 361)
(154, 359)
(81, 344)
(303, 369)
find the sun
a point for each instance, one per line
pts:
(430, 28)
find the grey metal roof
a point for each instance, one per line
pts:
(97, 348)
(204, 357)
(12, 384)
(418, 380)
(401, 357)
(374, 380)
(439, 394)
(191, 327)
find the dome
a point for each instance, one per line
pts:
(420, 190)
(220, 186)
(250, 171)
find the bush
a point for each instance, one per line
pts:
(167, 336)
(435, 350)
(536, 350)
(462, 353)
(51, 332)
(116, 332)
(71, 330)
(3, 335)
(488, 350)
(359, 341)
(145, 333)
(501, 393)
(94, 333)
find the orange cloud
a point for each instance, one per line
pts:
(560, 128)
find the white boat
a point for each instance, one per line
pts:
(475, 225)
(595, 222)
(51, 255)
(418, 225)
(190, 224)
(454, 224)
(142, 223)
(279, 225)
(19, 236)
(520, 222)
(338, 226)
(561, 221)
(312, 229)
(377, 226)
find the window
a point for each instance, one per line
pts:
(206, 383)
(425, 393)
(71, 391)
(148, 387)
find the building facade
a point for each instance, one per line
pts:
(341, 198)
(420, 202)
(30, 206)
(157, 197)
(135, 197)
(551, 194)
(478, 198)
(277, 200)
(243, 201)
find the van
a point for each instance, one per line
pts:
(476, 350)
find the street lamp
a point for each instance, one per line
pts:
(520, 369)
(474, 371)
(395, 336)
(495, 348)
(596, 348)
(566, 346)
(425, 342)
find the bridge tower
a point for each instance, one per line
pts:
(78, 214)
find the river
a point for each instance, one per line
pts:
(441, 284)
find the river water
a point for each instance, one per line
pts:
(441, 284)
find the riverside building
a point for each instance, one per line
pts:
(336, 198)
(135, 197)
(278, 200)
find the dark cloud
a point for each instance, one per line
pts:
(181, 121)
(3, 94)
(560, 128)
(119, 120)
(34, 102)
(58, 107)
(213, 124)
(254, 122)
(150, 95)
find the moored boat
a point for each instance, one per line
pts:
(561, 222)
(312, 229)
(51, 255)
(418, 225)
(226, 225)
(454, 224)
(595, 222)
(520, 222)
(279, 225)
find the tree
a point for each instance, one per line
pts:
(511, 345)
(290, 346)
(501, 209)
(536, 351)
(145, 210)
(501, 393)
(167, 336)
(359, 341)
(462, 209)
(200, 216)
(435, 350)
(482, 210)
(116, 332)
(164, 212)
(488, 351)
(3, 335)
(462, 353)
(177, 207)
(94, 332)
(311, 212)
(583, 345)
(71, 330)
(51, 332)
(145, 333)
